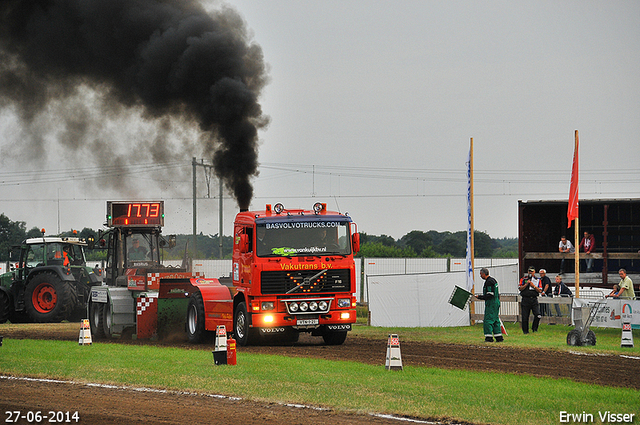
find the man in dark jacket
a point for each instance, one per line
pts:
(529, 288)
(561, 290)
(491, 297)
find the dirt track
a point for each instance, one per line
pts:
(111, 406)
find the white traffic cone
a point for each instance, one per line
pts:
(220, 351)
(85, 333)
(627, 335)
(394, 358)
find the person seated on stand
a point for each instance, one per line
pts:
(587, 245)
(565, 246)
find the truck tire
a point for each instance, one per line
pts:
(96, 320)
(334, 337)
(195, 321)
(5, 305)
(48, 299)
(245, 335)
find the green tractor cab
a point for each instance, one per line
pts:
(47, 281)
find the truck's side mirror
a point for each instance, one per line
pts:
(355, 243)
(171, 243)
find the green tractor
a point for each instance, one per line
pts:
(48, 281)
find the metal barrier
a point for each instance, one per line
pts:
(558, 309)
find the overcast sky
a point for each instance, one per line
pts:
(373, 104)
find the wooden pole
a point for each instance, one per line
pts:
(576, 258)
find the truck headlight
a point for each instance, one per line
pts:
(344, 302)
(323, 305)
(313, 306)
(304, 306)
(293, 307)
(267, 305)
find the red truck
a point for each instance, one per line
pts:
(293, 271)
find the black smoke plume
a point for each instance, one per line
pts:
(84, 62)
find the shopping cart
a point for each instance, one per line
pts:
(583, 314)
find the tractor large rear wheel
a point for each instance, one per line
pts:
(48, 299)
(195, 321)
(5, 305)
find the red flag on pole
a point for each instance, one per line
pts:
(572, 211)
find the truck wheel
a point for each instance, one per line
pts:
(48, 299)
(195, 320)
(334, 337)
(574, 338)
(244, 334)
(96, 319)
(5, 305)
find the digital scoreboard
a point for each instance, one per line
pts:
(135, 214)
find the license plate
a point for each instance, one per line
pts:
(307, 322)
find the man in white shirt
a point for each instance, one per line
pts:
(565, 246)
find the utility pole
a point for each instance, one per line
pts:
(194, 164)
(220, 217)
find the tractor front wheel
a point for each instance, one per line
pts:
(48, 299)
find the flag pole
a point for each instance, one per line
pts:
(576, 231)
(472, 309)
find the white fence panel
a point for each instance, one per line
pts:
(385, 266)
(213, 268)
(507, 277)
(459, 264)
(415, 300)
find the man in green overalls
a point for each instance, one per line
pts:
(491, 298)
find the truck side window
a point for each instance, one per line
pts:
(249, 233)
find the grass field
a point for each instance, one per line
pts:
(483, 397)
(549, 337)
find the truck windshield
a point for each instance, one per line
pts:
(141, 249)
(298, 239)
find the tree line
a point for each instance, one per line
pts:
(431, 244)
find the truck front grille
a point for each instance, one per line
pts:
(281, 282)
